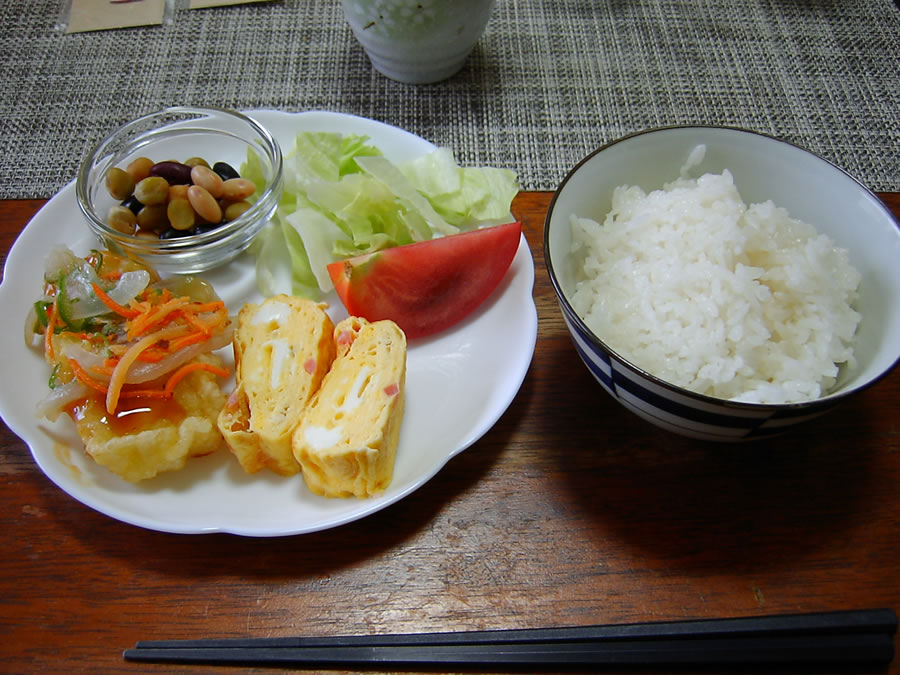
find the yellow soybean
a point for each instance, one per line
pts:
(181, 214)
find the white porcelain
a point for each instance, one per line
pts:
(418, 41)
(458, 383)
(810, 188)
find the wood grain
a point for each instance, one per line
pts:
(569, 511)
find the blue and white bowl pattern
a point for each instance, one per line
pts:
(695, 416)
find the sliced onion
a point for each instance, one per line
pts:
(60, 259)
(146, 372)
(61, 398)
(85, 302)
(31, 323)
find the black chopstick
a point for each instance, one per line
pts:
(855, 636)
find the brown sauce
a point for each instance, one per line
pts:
(133, 415)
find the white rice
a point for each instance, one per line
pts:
(699, 289)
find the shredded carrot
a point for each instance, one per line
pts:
(156, 316)
(103, 370)
(189, 368)
(174, 379)
(127, 312)
(144, 393)
(117, 379)
(51, 326)
(208, 322)
(197, 323)
(188, 340)
(218, 306)
(84, 377)
(153, 355)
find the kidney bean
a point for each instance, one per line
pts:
(175, 173)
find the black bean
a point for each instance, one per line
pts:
(226, 171)
(205, 227)
(175, 173)
(172, 233)
(133, 204)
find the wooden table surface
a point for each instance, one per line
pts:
(569, 511)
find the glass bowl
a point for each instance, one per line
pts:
(180, 133)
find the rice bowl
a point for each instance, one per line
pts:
(764, 169)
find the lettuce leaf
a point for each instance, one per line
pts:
(342, 198)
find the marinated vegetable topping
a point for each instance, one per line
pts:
(111, 325)
(175, 199)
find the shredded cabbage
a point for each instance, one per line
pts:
(343, 198)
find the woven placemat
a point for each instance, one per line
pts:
(548, 83)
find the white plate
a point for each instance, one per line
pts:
(458, 383)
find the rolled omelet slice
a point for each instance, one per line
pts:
(283, 348)
(347, 440)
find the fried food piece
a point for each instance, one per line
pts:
(347, 441)
(149, 436)
(282, 349)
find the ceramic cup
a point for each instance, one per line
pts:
(418, 41)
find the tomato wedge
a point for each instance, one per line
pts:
(428, 286)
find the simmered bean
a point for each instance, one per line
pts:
(122, 219)
(207, 179)
(172, 233)
(152, 190)
(236, 210)
(225, 170)
(175, 173)
(152, 218)
(181, 214)
(177, 192)
(196, 161)
(139, 168)
(173, 199)
(133, 204)
(204, 204)
(119, 183)
(237, 189)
